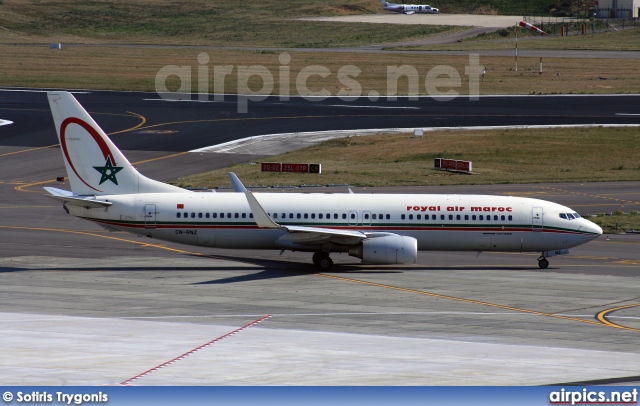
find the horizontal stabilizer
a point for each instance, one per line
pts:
(67, 197)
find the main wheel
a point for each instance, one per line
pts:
(543, 263)
(317, 256)
(325, 263)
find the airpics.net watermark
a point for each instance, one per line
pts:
(437, 79)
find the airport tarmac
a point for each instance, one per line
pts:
(82, 306)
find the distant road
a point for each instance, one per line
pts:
(380, 49)
(467, 20)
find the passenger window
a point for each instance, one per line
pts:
(366, 216)
(419, 217)
(306, 215)
(495, 217)
(214, 215)
(353, 216)
(298, 215)
(457, 217)
(335, 216)
(320, 216)
(200, 215)
(410, 216)
(236, 216)
(250, 215)
(433, 217)
(473, 217)
(221, 215)
(228, 215)
(442, 217)
(313, 215)
(290, 215)
(373, 217)
(450, 216)
(388, 216)
(244, 215)
(206, 215)
(466, 217)
(502, 217)
(178, 215)
(481, 217)
(402, 217)
(193, 215)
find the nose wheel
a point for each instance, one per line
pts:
(322, 260)
(543, 263)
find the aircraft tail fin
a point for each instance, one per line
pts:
(95, 166)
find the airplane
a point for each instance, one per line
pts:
(408, 9)
(381, 229)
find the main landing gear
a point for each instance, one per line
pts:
(322, 260)
(543, 262)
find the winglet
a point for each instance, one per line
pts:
(237, 184)
(259, 215)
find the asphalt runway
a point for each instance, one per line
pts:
(83, 306)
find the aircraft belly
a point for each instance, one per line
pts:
(486, 241)
(247, 239)
(220, 238)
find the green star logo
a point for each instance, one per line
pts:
(108, 171)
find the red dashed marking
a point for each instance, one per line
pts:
(186, 354)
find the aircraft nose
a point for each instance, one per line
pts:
(592, 227)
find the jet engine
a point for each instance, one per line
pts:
(387, 250)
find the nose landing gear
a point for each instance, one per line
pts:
(543, 262)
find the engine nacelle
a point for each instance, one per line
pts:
(392, 249)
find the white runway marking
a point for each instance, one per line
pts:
(373, 107)
(5, 122)
(274, 144)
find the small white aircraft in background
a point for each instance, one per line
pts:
(409, 9)
(378, 228)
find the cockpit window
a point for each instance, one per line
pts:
(576, 215)
(563, 216)
(570, 216)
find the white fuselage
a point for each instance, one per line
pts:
(437, 222)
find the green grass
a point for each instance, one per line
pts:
(628, 40)
(617, 221)
(232, 22)
(203, 22)
(508, 156)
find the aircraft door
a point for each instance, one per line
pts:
(537, 218)
(150, 216)
(352, 218)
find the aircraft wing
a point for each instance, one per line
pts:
(298, 233)
(67, 197)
